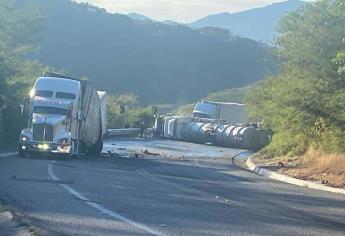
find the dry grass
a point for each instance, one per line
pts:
(325, 163)
(315, 166)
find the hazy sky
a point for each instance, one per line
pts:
(178, 10)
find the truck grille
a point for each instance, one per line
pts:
(43, 133)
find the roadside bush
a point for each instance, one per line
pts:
(304, 104)
(132, 115)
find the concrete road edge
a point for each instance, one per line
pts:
(287, 179)
(8, 154)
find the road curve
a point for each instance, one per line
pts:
(191, 190)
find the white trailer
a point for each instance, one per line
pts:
(231, 112)
(65, 115)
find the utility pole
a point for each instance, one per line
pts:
(1, 131)
(2, 106)
(123, 111)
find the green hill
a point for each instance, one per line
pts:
(160, 63)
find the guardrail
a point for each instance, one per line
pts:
(130, 132)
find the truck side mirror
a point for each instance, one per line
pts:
(69, 112)
(24, 108)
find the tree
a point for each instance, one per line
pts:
(305, 104)
(19, 22)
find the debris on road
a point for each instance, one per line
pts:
(113, 154)
(146, 151)
(10, 223)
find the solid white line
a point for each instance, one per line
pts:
(8, 154)
(100, 207)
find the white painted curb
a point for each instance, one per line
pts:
(283, 178)
(8, 154)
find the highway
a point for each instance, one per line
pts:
(188, 189)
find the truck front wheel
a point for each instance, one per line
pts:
(21, 152)
(75, 149)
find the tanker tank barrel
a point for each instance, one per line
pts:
(214, 132)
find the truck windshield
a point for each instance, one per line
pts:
(50, 110)
(44, 93)
(65, 95)
(200, 115)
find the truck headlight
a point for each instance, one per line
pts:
(23, 138)
(43, 146)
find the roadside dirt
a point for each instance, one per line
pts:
(15, 224)
(328, 170)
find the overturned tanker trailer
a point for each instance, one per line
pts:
(204, 131)
(245, 137)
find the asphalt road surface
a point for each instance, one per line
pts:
(187, 189)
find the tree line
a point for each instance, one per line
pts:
(304, 104)
(18, 24)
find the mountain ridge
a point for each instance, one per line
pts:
(160, 63)
(257, 23)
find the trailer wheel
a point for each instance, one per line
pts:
(97, 148)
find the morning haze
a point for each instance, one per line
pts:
(179, 10)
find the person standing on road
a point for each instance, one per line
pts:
(142, 128)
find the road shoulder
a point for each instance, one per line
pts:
(261, 170)
(10, 224)
(8, 154)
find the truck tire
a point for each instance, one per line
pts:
(66, 157)
(76, 146)
(97, 148)
(21, 152)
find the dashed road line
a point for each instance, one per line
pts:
(101, 208)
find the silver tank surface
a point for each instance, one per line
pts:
(225, 135)
(197, 132)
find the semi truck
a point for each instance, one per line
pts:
(64, 115)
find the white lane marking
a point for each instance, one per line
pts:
(99, 207)
(8, 154)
